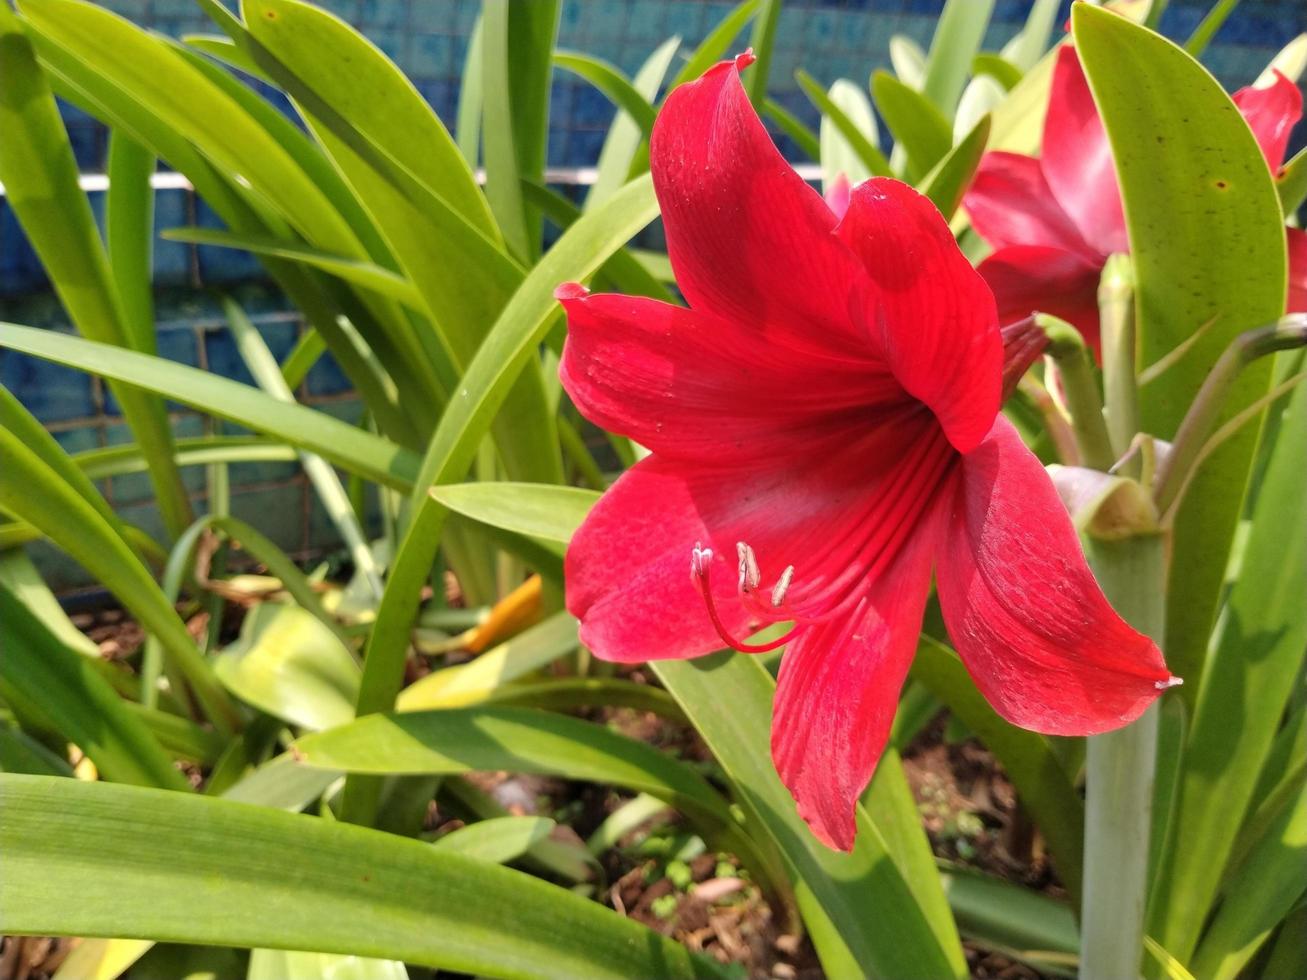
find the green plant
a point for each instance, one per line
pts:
(434, 294)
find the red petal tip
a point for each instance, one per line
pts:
(570, 291)
(1169, 683)
(836, 838)
(743, 61)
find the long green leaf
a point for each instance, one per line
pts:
(626, 272)
(281, 964)
(25, 426)
(256, 178)
(490, 739)
(479, 679)
(570, 693)
(1266, 889)
(1288, 955)
(33, 491)
(1257, 651)
(517, 41)
(538, 510)
(432, 241)
(946, 184)
(626, 135)
(58, 687)
(1205, 31)
(958, 35)
(467, 126)
(908, 61)
(375, 98)
(342, 443)
(612, 83)
(499, 840)
(289, 665)
(402, 163)
(898, 940)
(507, 349)
(182, 94)
(763, 42)
(220, 873)
(918, 126)
(838, 155)
(325, 481)
(1207, 241)
(298, 145)
(283, 784)
(191, 451)
(714, 45)
(40, 177)
(1024, 50)
(377, 278)
(129, 236)
(868, 154)
(793, 127)
(19, 752)
(1002, 913)
(95, 86)
(1291, 183)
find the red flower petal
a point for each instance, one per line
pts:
(1010, 203)
(839, 688)
(1028, 619)
(1297, 242)
(1271, 113)
(1030, 278)
(628, 566)
(833, 514)
(1077, 160)
(749, 240)
(935, 318)
(692, 386)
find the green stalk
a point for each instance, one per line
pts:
(1186, 451)
(1067, 348)
(1116, 309)
(762, 41)
(1120, 767)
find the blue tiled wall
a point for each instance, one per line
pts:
(428, 38)
(831, 38)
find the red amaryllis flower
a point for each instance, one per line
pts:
(824, 429)
(1053, 221)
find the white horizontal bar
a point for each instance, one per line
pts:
(572, 176)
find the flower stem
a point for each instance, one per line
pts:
(1203, 414)
(1120, 766)
(1116, 314)
(1068, 350)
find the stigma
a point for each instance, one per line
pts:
(749, 581)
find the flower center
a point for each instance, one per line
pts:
(750, 579)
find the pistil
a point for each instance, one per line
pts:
(700, 567)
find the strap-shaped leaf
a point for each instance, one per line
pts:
(1207, 241)
(223, 873)
(58, 686)
(33, 491)
(343, 444)
(39, 173)
(491, 739)
(1256, 653)
(904, 938)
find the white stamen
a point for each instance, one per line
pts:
(750, 576)
(700, 558)
(782, 586)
